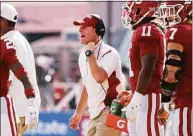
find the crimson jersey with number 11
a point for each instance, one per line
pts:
(8, 58)
(146, 39)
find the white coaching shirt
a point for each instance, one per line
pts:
(109, 59)
(26, 57)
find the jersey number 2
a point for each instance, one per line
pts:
(9, 44)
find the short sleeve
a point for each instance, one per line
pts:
(109, 61)
(81, 62)
(178, 34)
(9, 53)
(148, 44)
(10, 58)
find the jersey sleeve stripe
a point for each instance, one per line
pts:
(9, 115)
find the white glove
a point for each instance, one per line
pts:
(90, 46)
(32, 118)
(166, 106)
(133, 107)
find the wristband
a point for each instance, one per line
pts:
(29, 92)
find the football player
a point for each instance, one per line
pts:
(146, 56)
(9, 18)
(8, 62)
(177, 76)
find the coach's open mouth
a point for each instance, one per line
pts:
(82, 36)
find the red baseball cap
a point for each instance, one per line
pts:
(88, 20)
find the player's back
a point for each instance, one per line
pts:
(6, 49)
(144, 40)
(182, 34)
(26, 57)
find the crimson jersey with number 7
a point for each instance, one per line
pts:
(8, 58)
(182, 34)
(146, 39)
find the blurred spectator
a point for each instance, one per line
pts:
(76, 88)
(60, 88)
(59, 93)
(45, 70)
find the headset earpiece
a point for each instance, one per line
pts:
(100, 27)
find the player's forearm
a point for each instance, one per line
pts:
(174, 62)
(97, 71)
(144, 81)
(29, 91)
(148, 62)
(82, 104)
(21, 74)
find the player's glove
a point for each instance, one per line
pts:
(163, 114)
(21, 126)
(133, 107)
(32, 118)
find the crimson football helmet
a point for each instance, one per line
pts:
(135, 11)
(174, 12)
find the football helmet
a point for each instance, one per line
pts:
(135, 11)
(174, 12)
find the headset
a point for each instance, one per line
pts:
(100, 27)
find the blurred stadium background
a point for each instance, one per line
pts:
(55, 42)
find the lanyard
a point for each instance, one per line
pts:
(99, 50)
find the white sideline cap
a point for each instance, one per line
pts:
(8, 12)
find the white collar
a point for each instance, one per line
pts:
(98, 48)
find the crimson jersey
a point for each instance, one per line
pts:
(182, 34)
(8, 58)
(146, 39)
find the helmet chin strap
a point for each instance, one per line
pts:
(172, 24)
(189, 15)
(140, 19)
(156, 21)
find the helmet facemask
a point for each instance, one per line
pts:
(169, 14)
(125, 18)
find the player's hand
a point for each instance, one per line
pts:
(163, 114)
(125, 97)
(131, 111)
(21, 126)
(133, 107)
(75, 121)
(32, 118)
